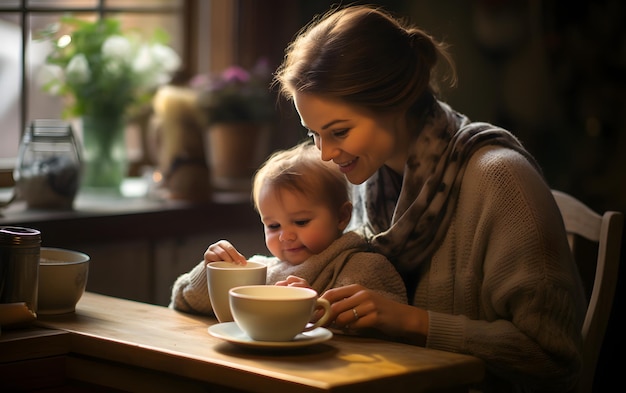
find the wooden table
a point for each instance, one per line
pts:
(135, 346)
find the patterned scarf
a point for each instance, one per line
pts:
(407, 218)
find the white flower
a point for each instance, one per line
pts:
(154, 64)
(117, 48)
(64, 41)
(117, 52)
(51, 76)
(120, 73)
(166, 57)
(77, 70)
(114, 69)
(143, 61)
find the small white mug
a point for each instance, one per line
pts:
(276, 313)
(222, 276)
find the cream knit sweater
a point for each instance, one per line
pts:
(502, 286)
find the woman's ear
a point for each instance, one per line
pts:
(345, 213)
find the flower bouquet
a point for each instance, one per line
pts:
(105, 74)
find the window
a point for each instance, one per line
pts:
(209, 35)
(21, 56)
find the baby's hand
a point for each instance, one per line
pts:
(293, 281)
(223, 250)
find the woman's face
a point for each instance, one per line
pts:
(296, 226)
(358, 141)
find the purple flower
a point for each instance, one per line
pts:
(235, 74)
(200, 81)
(236, 94)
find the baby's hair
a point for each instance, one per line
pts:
(301, 169)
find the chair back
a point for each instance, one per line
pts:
(595, 241)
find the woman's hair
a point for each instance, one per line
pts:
(363, 56)
(301, 169)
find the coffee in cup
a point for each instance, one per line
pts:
(276, 313)
(222, 276)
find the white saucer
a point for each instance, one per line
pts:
(230, 332)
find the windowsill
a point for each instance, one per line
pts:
(130, 216)
(134, 195)
(7, 163)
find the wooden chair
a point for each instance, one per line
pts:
(598, 265)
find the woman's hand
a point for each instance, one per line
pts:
(356, 307)
(223, 250)
(294, 281)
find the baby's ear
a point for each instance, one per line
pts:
(345, 213)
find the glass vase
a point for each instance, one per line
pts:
(105, 159)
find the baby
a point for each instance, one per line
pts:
(304, 205)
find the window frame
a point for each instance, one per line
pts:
(190, 21)
(101, 9)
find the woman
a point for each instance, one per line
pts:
(460, 208)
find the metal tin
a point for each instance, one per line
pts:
(19, 265)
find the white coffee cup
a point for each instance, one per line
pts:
(276, 313)
(222, 276)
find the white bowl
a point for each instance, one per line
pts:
(62, 280)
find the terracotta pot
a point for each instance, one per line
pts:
(234, 152)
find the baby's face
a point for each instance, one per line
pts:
(296, 226)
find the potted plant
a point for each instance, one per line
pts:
(238, 108)
(236, 95)
(104, 74)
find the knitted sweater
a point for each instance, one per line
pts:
(344, 262)
(500, 283)
(502, 286)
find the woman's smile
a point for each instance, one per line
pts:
(347, 166)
